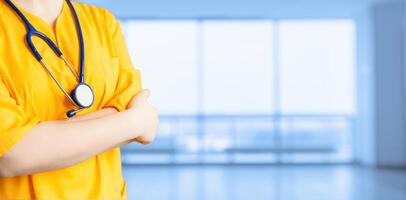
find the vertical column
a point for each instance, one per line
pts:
(390, 84)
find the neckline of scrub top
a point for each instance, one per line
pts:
(51, 32)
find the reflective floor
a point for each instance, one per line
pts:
(264, 183)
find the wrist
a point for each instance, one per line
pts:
(133, 120)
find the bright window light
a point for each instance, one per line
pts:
(247, 91)
(317, 60)
(166, 53)
(237, 59)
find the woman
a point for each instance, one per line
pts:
(43, 153)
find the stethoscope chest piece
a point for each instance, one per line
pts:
(83, 95)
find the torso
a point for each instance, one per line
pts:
(28, 79)
(37, 94)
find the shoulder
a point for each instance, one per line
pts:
(100, 16)
(5, 14)
(96, 13)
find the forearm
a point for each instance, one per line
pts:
(59, 144)
(94, 115)
(102, 113)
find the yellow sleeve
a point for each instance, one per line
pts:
(14, 122)
(129, 78)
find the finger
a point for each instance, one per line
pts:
(147, 92)
(141, 140)
(144, 94)
(141, 97)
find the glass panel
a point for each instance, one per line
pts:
(166, 52)
(237, 59)
(316, 72)
(319, 139)
(317, 66)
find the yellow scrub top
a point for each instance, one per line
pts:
(28, 96)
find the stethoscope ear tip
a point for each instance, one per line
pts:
(71, 113)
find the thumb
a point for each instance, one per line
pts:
(146, 92)
(141, 97)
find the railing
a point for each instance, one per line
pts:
(248, 138)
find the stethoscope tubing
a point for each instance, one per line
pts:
(81, 43)
(82, 96)
(31, 31)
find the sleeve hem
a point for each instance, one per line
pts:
(118, 108)
(18, 135)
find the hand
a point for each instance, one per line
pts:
(144, 117)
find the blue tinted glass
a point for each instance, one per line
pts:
(247, 91)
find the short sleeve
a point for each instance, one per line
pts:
(129, 78)
(14, 122)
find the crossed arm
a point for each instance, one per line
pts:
(59, 144)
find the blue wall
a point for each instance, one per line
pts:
(229, 8)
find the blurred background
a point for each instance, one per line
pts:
(269, 99)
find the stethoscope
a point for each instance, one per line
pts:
(82, 96)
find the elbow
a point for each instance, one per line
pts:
(4, 173)
(5, 170)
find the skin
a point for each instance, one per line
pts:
(48, 10)
(58, 144)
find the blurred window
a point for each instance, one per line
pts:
(237, 62)
(166, 53)
(317, 67)
(238, 91)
